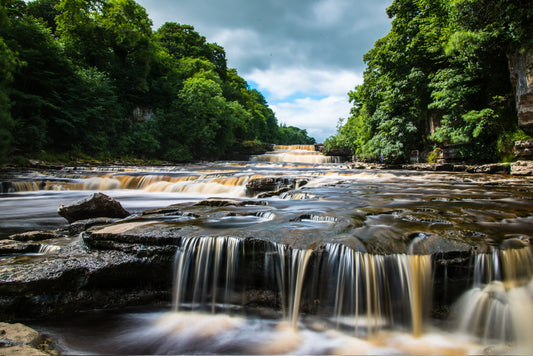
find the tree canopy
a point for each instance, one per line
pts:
(439, 78)
(91, 77)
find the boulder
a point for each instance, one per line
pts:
(96, 206)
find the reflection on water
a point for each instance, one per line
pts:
(366, 302)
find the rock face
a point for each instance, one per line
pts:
(524, 149)
(521, 70)
(271, 184)
(96, 206)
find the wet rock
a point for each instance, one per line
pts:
(95, 206)
(229, 202)
(142, 238)
(10, 247)
(35, 235)
(429, 244)
(267, 184)
(78, 227)
(76, 279)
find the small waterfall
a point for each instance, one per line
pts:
(203, 265)
(389, 290)
(292, 265)
(499, 307)
(48, 249)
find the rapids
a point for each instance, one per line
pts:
(367, 287)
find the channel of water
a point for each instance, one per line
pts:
(353, 255)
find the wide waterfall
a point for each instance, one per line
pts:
(287, 253)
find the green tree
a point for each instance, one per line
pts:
(8, 64)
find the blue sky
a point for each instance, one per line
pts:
(303, 55)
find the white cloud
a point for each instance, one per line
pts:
(281, 83)
(318, 116)
(312, 99)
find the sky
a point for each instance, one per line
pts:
(304, 56)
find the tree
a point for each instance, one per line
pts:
(8, 64)
(439, 77)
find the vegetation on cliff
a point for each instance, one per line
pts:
(91, 77)
(438, 79)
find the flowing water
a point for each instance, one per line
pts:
(351, 258)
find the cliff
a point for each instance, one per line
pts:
(521, 71)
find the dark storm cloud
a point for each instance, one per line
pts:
(309, 33)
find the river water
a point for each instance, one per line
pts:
(374, 281)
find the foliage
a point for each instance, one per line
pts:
(439, 77)
(90, 77)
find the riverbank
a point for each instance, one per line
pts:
(518, 168)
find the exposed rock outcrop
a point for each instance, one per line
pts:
(521, 71)
(524, 149)
(272, 184)
(96, 206)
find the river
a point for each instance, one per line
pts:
(372, 281)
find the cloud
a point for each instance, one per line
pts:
(318, 116)
(303, 55)
(281, 83)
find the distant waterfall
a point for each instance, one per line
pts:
(296, 154)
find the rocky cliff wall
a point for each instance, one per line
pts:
(521, 70)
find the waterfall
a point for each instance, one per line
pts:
(296, 154)
(291, 267)
(368, 292)
(201, 265)
(379, 290)
(499, 307)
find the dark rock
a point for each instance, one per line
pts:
(77, 279)
(228, 202)
(10, 247)
(266, 184)
(78, 227)
(35, 235)
(95, 206)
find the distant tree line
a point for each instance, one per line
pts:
(440, 79)
(91, 77)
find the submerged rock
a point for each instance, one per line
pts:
(96, 206)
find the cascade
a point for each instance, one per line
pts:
(499, 307)
(292, 265)
(367, 292)
(296, 154)
(202, 264)
(388, 290)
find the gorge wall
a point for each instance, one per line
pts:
(521, 71)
